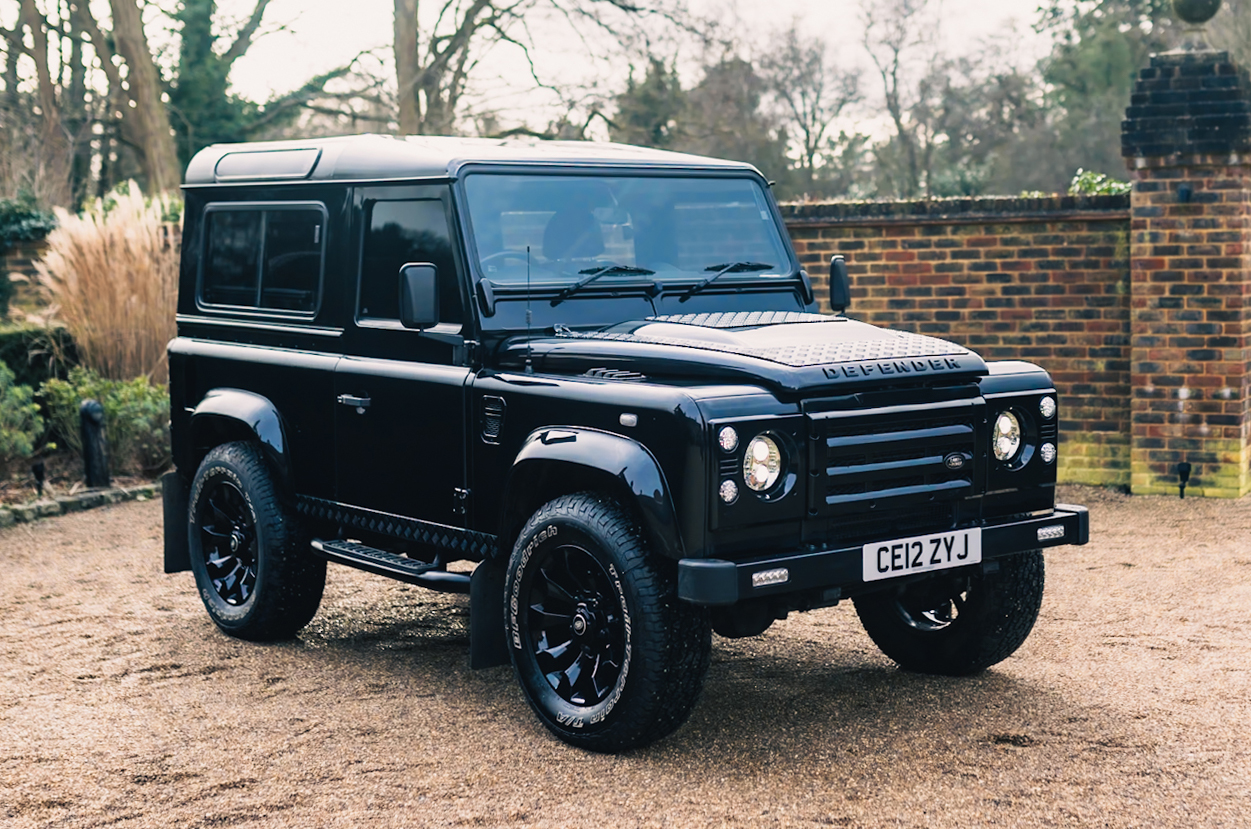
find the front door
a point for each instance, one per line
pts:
(400, 394)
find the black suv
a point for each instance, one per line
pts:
(598, 372)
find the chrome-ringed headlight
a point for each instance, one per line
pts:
(762, 463)
(1007, 438)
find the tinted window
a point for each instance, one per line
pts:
(258, 258)
(292, 260)
(401, 232)
(233, 249)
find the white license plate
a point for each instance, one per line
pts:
(921, 554)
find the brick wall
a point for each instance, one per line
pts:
(19, 259)
(1045, 280)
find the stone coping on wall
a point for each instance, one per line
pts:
(92, 498)
(994, 209)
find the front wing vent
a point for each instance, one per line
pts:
(616, 374)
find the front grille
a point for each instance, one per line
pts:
(885, 469)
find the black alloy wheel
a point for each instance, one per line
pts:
(608, 657)
(575, 626)
(253, 566)
(228, 539)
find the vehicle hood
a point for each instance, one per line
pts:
(783, 350)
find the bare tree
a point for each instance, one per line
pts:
(434, 63)
(898, 35)
(812, 92)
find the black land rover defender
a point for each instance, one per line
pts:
(599, 373)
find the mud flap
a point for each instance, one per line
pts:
(174, 493)
(488, 646)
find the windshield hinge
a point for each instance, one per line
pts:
(460, 501)
(562, 330)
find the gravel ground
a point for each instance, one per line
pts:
(121, 705)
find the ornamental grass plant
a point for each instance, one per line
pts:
(111, 275)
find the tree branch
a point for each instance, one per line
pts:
(244, 39)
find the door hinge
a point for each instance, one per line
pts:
(460, 501)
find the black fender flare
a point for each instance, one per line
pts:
(236, 414)
(624, 459)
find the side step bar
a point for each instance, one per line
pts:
(391, 565)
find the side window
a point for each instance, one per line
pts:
(233, 252)
(292, 260)
(269, 259)
(400, 232)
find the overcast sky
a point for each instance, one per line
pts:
(321, 34)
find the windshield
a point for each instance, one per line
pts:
(625, 226)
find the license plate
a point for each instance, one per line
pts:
(921, 554)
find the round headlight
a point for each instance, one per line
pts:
(762, 463)
(728, 439)
(1006, 439)
(1048, 452)
(1047, 407)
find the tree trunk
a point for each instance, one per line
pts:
(149, 119)
(406, 69)
(55, 151)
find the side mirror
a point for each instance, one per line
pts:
(419, 295)
(840, 285)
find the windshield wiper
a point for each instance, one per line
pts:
(721, 270)
(593, 274)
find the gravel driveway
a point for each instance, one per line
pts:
(122, 706)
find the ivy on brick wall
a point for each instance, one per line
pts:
(21, 220)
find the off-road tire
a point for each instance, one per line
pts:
(253, 567)
(996, 613)
(582, 557)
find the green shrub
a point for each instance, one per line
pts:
(136, 418)
(1090, 183)
(20, 423)
(36, 354)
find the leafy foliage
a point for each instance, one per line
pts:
(20, 423)
(1090, 183)
(35, 354)
(23, 220)
(136, 418)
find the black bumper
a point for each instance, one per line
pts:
(717, 582)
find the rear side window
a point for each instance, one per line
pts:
(266, 258)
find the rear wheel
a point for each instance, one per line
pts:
(956, 625)
(607, 655)
(255, 573)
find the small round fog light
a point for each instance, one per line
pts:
(729, 492)
(728, 439)
(1047, 407)
(1048, 452)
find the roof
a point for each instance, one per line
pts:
(380, 157)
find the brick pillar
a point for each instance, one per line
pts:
(1187, 141)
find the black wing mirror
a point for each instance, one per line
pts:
(419, 295)
(840, 285)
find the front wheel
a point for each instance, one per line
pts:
(957, 625)
(608, 657)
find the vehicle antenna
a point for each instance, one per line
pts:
(529, 318)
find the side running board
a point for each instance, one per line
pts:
(391, 565)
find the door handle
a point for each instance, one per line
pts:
(356, 402)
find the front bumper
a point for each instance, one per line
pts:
(717, 582)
